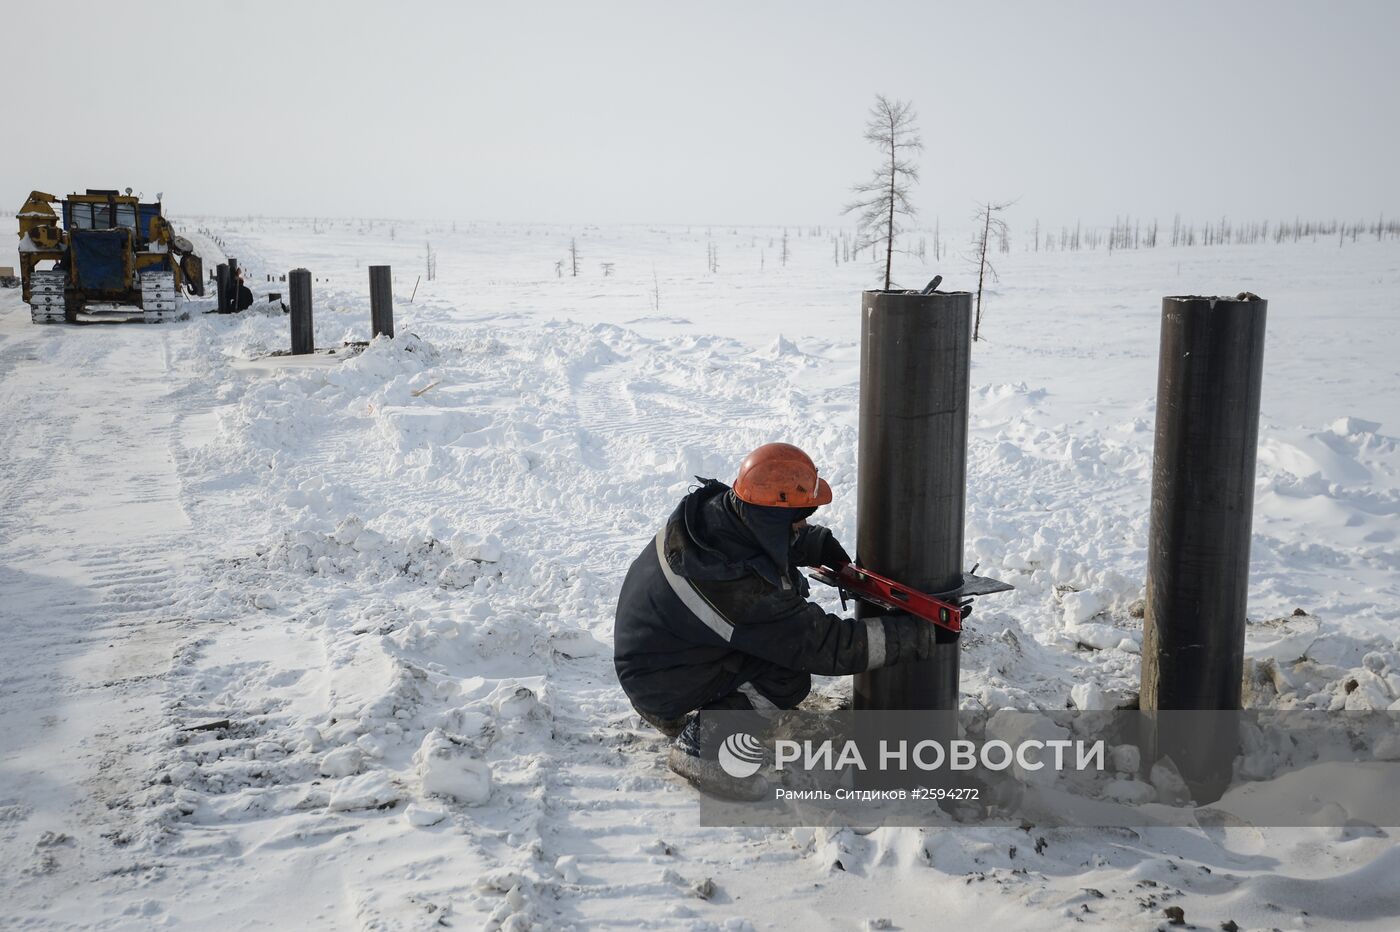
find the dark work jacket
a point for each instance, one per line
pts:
(720, 602)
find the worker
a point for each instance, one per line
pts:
(713, 614)
(243, 294)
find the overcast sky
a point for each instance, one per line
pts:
(706, 112)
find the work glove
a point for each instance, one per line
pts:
(822, 544)
(907, 639)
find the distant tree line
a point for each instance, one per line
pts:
(1135, 233)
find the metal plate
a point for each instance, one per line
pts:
(974, 585)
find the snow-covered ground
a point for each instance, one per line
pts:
(392, 574)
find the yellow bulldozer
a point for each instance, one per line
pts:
(103, 250)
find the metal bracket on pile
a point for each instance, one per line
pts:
(941, 608)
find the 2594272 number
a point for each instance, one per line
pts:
(939, 793)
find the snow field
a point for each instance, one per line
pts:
(400, 582)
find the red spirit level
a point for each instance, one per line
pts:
(942, 609)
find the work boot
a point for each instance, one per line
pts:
(696, 755)
(670, 727)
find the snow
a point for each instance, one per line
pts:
(392, 572)
(423, 816)
(1088, 697)
(342, 762)
(210, 255)
(1079, 607)
(446, 768)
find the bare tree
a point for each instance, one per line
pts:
(885, 197)
(573, 257)
(991, 225)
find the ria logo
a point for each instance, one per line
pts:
(741, 755)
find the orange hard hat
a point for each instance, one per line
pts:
(780, 475)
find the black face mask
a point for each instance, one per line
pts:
(771, 527)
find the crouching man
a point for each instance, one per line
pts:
(713, 615)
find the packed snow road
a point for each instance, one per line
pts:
(327, 643)
(92, 546)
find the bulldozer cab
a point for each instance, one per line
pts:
(108, 210)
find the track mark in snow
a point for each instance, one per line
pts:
(90, 552)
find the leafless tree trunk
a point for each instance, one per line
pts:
(573, 256)
(884, 198)
(991, 225)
